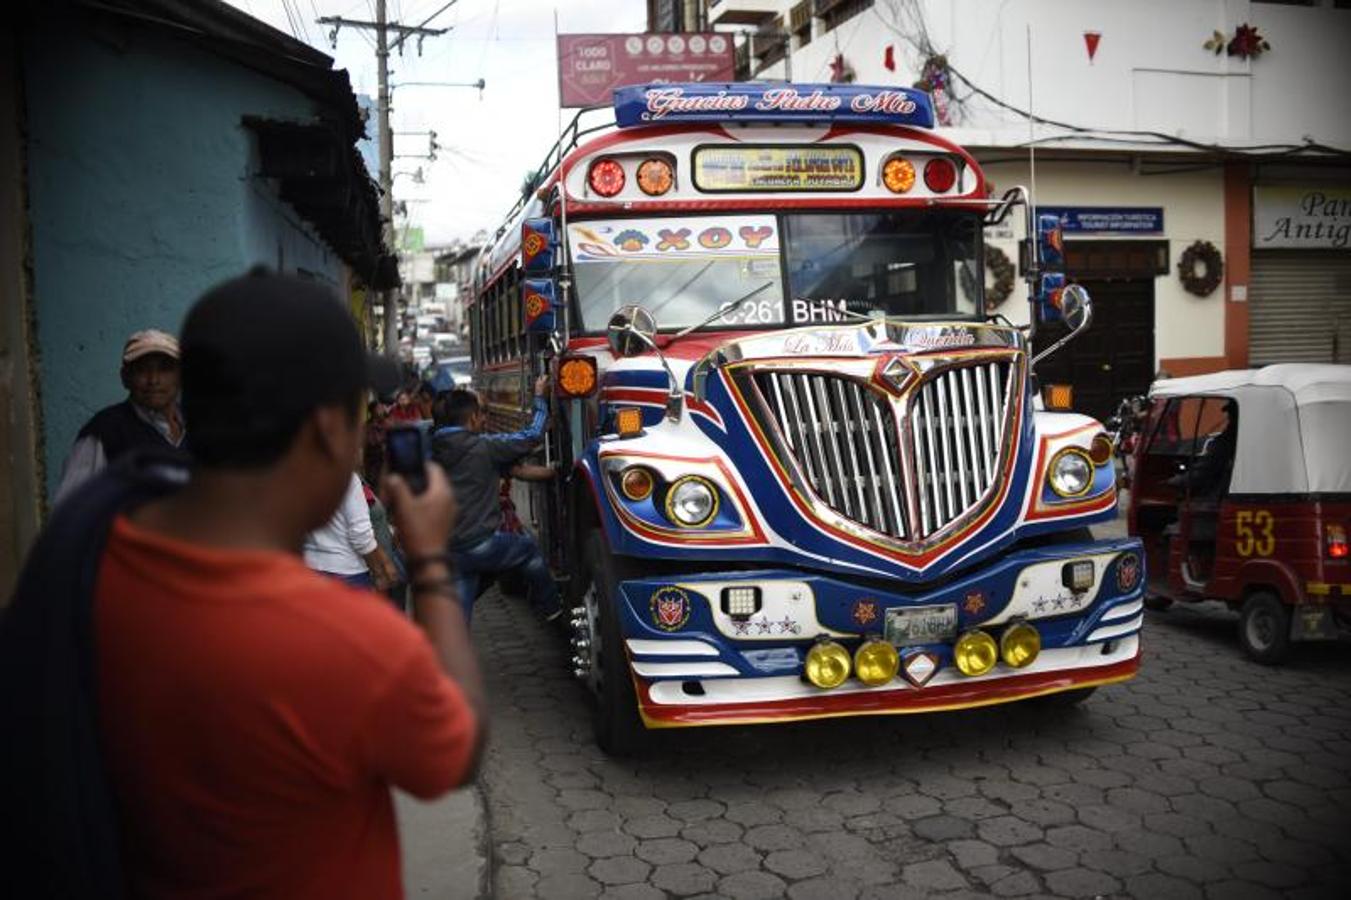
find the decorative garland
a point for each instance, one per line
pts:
(998, 264)
(1212, 268)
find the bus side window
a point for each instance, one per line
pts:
(490, 325)
(514, 303)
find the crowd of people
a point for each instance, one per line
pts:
(238, 630)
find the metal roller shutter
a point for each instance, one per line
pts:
(1300, 308)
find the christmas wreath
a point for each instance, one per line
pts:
(1203, 282)
(998, 264)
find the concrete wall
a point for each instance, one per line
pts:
(1193, 209)
(141, 197)
(1150, 71)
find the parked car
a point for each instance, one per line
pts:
(1242, 494)
(448, 374)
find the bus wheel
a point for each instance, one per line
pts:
(614, 704)
(1264, 628)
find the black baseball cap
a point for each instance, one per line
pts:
(261, 351)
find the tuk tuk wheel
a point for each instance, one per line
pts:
(614, 713)
(1264, 628)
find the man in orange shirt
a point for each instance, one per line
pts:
(253, 714)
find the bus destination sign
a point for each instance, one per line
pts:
(649, 104)
(750, 168)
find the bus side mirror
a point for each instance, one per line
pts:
(539, 243)
(1076, 307)
(539, 300)
(632, 330)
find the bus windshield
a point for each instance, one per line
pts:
(795, 269)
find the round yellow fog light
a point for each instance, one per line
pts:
(975, 653)
(1020, 645)
(876, 662)
(827, 664)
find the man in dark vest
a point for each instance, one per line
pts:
(149, 417)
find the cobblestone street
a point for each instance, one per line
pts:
(1207, 776)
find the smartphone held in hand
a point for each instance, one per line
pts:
(406, 453)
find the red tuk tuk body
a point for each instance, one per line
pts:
(1242, 493)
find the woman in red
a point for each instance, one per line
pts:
(405, 411)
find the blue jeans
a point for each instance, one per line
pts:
(505, 552)
(359, 580)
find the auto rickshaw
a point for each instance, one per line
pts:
(1242, 493)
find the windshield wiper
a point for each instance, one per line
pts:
(721, 311)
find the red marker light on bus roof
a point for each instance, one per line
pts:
(606, 177)
(940, 174)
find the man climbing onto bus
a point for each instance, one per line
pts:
(476, 463)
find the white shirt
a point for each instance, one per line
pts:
(338, 547)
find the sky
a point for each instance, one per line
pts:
(488, 143)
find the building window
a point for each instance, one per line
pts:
(834, 13)
(800, 22)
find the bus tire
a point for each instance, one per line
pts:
(1264, 628)
(618, 729)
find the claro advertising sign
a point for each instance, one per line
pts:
(1302, 217)
(591, 66)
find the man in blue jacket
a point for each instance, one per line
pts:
(476, 463)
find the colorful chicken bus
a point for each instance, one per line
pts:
(804, 474)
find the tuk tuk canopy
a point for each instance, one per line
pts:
(1294, 425)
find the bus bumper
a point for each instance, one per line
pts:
(698, 657)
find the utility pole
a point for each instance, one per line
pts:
(382, 27)
(387, 297)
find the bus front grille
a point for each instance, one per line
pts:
(904, 467)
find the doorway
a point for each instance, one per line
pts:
(1114, 358)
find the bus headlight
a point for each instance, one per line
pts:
(1070, 473)
(691, 502)
(876, 662)
(1020, 645)
(827, 664)
(975, 653)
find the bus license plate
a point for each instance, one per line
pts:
(921, 624)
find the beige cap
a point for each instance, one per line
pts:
(143, 343)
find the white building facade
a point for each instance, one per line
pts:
(1222, 127)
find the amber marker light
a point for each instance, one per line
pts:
(975, 653)
(1100, 451)
(636, 483)
(898, 175)
(1020, 645)
(827, 664)
(629, 421)
(655, 177)
(1058, 397)
(876, 662)
(606, 177)
(577, 376)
